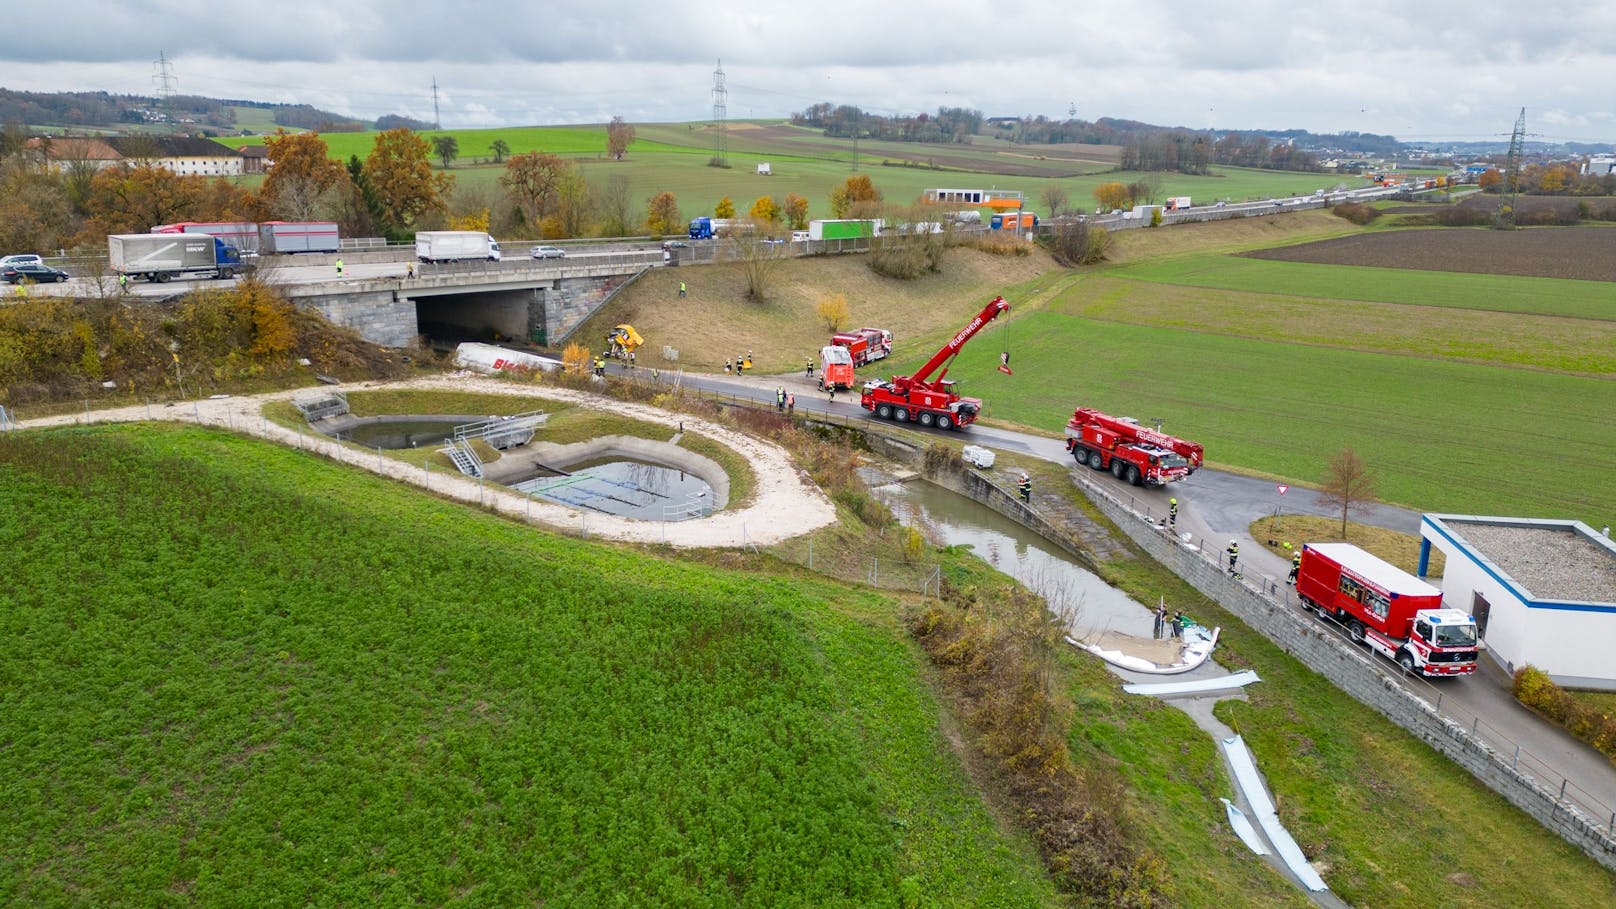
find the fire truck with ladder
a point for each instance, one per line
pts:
(1396, 614)
(927, 401)
(1138, 454)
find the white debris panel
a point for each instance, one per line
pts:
(1243, 829)
(1221, 683)
(1251, 785)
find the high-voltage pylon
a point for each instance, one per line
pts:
(720, 118)
(164, 78)
(1512, 173)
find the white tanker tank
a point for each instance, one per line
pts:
(487, 358)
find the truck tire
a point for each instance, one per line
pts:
(1096, 460)
(1405, 660)
(884, 411)
(944, 421)
(926, 419)
(1117, 465)
(901, 414)
(161, 277)
(1133, 474)
(1355, 630)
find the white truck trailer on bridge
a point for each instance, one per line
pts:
(455, 246)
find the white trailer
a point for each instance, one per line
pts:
(159, 257)
(455, 246)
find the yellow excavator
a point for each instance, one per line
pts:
(622, 341)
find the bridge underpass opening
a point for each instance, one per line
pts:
(492, 316)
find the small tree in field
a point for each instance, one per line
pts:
(1348, 484)
(500, 148)
(724, 209)
(833, 310)
(447, 148)
(1112, 195)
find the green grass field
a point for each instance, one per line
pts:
(674, 158)
(378, 697)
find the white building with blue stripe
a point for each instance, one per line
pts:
(1543, 592)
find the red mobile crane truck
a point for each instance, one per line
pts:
(928, 401)
(865, 344)
(1131, 452)
(1398, 615)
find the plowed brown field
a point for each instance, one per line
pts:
(1584, 253)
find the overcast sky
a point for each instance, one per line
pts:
(1416, 70)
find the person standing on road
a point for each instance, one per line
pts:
(123, 282)
(409, 269)
(681, 290)
(339, 266)
(1296, 567)
(1234, 554)
(791, 402)
(810, 368)
(780, 398)
(1179, 621)
(726, 367)
(1161, 620)
(832, 389)
(1172, 513)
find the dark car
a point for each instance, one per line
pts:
(671, 245)
(37, 274)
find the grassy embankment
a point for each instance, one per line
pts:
(237, 672)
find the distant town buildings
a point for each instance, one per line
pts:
(183, 155)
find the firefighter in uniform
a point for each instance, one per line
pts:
(1172, 512)
(1025, 488)
(1234, 554)
(1296, 566)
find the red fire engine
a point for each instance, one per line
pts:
(1131, 452)
(865, 344)
(1398, 615)
(927, 401)
(835, 368)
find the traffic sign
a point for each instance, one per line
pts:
(1282, 488)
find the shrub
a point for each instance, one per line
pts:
(833, 311)
(1356, 212)
(1533, 688)
(1075, 243)
(942, 458)
(1463, 216)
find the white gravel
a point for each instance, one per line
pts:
(1549, 562)
(784, 503)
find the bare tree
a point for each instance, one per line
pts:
(1348, 484)
(616, 211)
(759, 260)
(1056, 200)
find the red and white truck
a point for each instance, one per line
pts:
(835, 368)
(1398, 615)
(1138, 454)
(865, 344)
(928, 401)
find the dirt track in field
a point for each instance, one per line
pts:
(1581, 253)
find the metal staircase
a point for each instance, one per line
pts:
(464, 458)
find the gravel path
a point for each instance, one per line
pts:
(784, 504)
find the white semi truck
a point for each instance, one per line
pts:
(455, 246)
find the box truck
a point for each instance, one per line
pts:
(283, 237)
(159, 257)
(455, 246)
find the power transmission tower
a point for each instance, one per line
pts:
(437, 119)
(720, 119)
(1512, 174)
(164, 77)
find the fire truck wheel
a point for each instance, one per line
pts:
(1116, 468)
(1355, 631)
(1096, 460)
(944, 421)
(884, 411)
(901, 415)
(1406, 660)
(1133, 474)
(925, 419)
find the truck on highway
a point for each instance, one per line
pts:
(1396, 614)
(705, 228)
(243, 235)
(1014, 221)
(455, 246)
(283, 237)
(844, 229)
(865, 344)
(1138, 454)
(161, 257)
(1177, 203)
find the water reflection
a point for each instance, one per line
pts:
(633, 489)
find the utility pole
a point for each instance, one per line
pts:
(164, 77)
(437, 119)
(720, 119)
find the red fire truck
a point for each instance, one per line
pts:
(928, 401)
(1131, 452)
(1394, 613)
(865, 344)
(835, 368)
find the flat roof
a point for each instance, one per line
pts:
(1562, 561)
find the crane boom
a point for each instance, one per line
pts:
(992, 311)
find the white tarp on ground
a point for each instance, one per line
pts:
(1243, 829)
(1163, 689)
(1251, 785)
